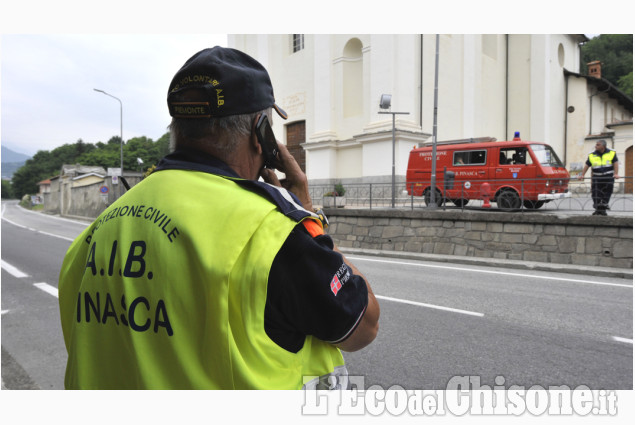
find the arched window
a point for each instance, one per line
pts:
(353, 82)
(561, 55)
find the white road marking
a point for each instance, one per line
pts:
(47, 288)
(620, 339)
(4, 311)
(490, 271)
(437, 307)
(70, 220)
(13, 270)
(16, 224)
(19, 225)
(37, 231)
(55, 236)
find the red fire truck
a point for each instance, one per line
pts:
(518, 173)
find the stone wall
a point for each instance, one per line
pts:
(51, 201)
(576, 240)
(84, 201)
(87, 201)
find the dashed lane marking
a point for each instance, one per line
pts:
(14, 271)
(436, 307)
(562, 279)
(47, 288)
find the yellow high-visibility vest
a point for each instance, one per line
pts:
(602, 165)
(166, 290)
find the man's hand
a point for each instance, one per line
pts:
(295, 180)
(297, 183)
(616, 168)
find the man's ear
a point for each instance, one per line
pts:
(253, 138)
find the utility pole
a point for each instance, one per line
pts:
(120, 132)
(384, 103)
(433, 177)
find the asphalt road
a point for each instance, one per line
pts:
(33, 245)
(531, 328)
(438, 320)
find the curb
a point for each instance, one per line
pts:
(476, 261)
(496, 262)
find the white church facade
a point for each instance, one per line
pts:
(487, 85)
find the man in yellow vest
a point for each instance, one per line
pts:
(202, 276)
(604, 168)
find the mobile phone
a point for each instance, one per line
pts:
(267, 140)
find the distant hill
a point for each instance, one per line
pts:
(11, 161)
(12, 156)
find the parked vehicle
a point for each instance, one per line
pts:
(518, 173)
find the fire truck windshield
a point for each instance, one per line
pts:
(546, 156)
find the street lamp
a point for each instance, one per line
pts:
(384, 103)
(120, 130)
(433, 175)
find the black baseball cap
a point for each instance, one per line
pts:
(219, 82)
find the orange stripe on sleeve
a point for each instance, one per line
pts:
(313, 227)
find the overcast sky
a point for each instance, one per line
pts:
(48, 83)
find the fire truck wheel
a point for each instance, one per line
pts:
(460, 202)
(508, 200)
(533, 205)
(437, 197)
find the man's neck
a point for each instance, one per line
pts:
(242, 160)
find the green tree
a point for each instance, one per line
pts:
(139, 147)
(625, 84)
(45, 164)
(105, 155)
(615, 51)
(7, 190)
(105, 158)
(38, 168)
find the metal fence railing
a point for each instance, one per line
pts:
(380, 196)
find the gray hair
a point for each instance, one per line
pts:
(602, 142)
(221, 135)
